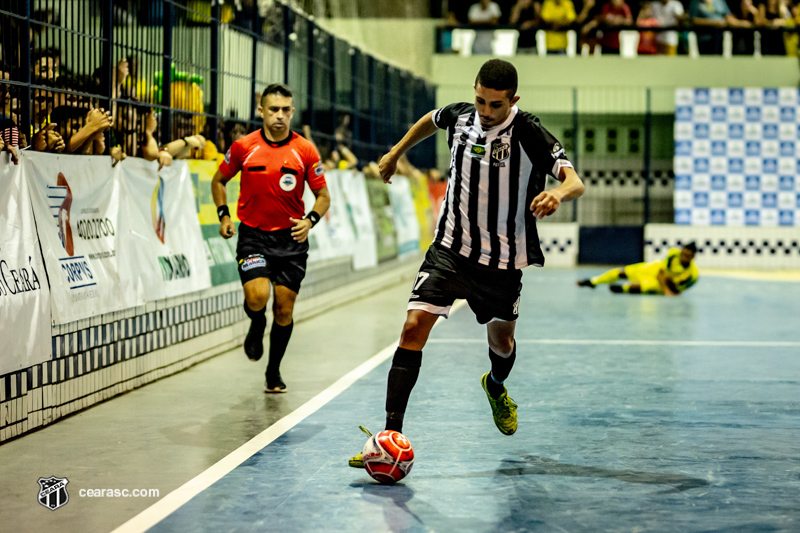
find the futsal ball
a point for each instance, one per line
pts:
(388, 456)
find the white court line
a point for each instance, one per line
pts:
(625, 342)
(178, 497)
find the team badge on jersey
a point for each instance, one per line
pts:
(228, 157)
(501, 151)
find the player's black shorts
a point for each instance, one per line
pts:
(445, 276)
(271, 254)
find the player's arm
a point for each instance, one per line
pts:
(226, 226)
(547, 202)
(321, 204)
(420, 131)
(667, 283)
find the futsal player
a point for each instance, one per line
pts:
(670, 277)
(276, 164)
(486, 233)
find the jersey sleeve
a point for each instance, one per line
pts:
(232, 163)
(315, 176)
(672, 253)
(446, 116)
(543, 148)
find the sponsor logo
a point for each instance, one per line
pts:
(251, 262)
(477, 151)
(735, 199)
(770, 166)
(787, 149)
(736, 96)
(683, 216)
(557, 151)
(683, 182)
(736, 131)
(788, 114)
(786, 183)
(752, 217)
(718, 183)
(753, 148)
(752, 183)
(701, 96)
(771, 96)
(701, 165)
(719, 114)
(683, 113)
(736, 165)
(786, 218)
(501, 151)
(701, 199)
(95, 228)
(719, 148)
(753, 114)
(288, 182)
(64, 228)
(228, 157)
(769, 199)
(683, 147)
(18, 280)
(717, 217)
(770, 131)
(701, 131)
(53, 492)
(157, 210)
(318, 170)
(174, 267)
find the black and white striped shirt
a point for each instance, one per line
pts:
(494, 177)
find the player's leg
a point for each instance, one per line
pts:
(279, 335)
(495, 300)
(610, 276)
(406, 363)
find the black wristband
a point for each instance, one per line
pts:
(223, 211)
(314, 217)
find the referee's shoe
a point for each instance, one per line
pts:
(504, 410)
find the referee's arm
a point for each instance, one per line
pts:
(423, 129)
(226, 227)
(546, 202)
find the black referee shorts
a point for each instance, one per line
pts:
(271, 254)
(445, 276)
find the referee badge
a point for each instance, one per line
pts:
(288, 182)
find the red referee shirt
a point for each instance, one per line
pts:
(273, 178)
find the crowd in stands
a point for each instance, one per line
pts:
(598, 22)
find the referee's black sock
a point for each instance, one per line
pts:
(278, 341)
(402, 377)
(256, 316)
(501, 368)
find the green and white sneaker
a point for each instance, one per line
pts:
(357, 461)
(504, 410)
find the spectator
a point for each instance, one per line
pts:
(745, 11)
(615, 13)
(589, 20)
(485, 13)
(647, 39)
(555, 15)
(46, 63)
(82, 129)
(774, 15)
(234, 130)
(525, 17)
(343, 133)
(133, 87)
(712, 14)
(668, 13)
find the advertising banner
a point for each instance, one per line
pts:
(221, 252)
(24, 293)
(162, 242)
(76, 202)
(383, 220)
(339, 220)
(737, 157)
(405, 216)
(354, 190)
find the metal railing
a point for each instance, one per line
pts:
(201, 65)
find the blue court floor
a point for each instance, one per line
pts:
(636, 413)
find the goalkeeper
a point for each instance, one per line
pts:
(670, 277)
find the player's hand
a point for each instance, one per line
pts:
(226, 228)
(545, 204)
(300, 229)
(387, 167)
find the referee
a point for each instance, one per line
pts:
(276, 164)
(486, 232)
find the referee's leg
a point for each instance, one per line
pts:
(256, 295)
(279, 335)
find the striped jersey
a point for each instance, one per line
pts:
(494, 176)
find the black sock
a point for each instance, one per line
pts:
(256, 316)
(278, 341)
(402, 377)
(501, 367)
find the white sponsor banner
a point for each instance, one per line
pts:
(159, 232)
(24, 293)
(319, 241)
(354, 189)
(341, 225)
(405, 216)
(75, 201)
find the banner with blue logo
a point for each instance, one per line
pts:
(737, 156)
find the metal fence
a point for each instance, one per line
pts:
(201, 66)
